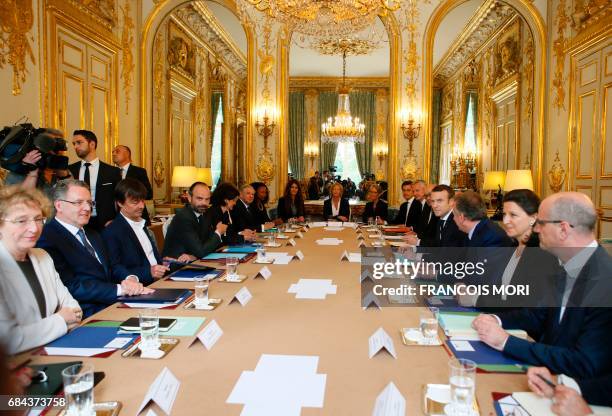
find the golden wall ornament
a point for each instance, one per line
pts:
(265, 167)
(16, 20)
(410, 169)
(507, 56)
(158, 73)
(556, 174)
(412, 56)
(559, 45)
(127, 40)
(158, 171)
(181, 56)
(104, 11)
(202, 93)
(528, 71)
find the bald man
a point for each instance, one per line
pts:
(122, 158)
(573, 333)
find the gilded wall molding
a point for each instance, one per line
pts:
(103, 11)
(412, 57)
(559, 46)
(331, 83)
(158, 72)
(16, 21)
(127, 42)
(528, 72)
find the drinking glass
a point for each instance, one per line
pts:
(231, 264)
(271, 239)
(149, 329)
(78, 390)
(260, 249)
(201, 290)
(371, 221)
(463, 384)
(429, 325)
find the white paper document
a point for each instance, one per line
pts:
(263, 272)
(317, 224)
(461, 345)
(280, 385)
(390, 402)
(283, 260)
(379, 340)
(119, 342)
(312, 288)
(77, 352)
(329, 242)
(243, 296)
(209, 335)
(163, 391)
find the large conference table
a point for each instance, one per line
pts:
(274, 322)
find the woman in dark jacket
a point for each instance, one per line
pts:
(222, 202)
(291, 204)
(260, 209)
(336, 207)
(527, 264)
(376, 207)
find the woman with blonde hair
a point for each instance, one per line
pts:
(35, 306)
(336, 207)
(376, 208)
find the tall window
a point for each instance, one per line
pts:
(470, 126)
(215, 157)
(346, 162)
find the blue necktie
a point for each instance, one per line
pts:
(88, 246)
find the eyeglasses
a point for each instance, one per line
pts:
(22, 222)
(543, 222)
(80, 203)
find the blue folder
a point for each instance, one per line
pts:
(483, 354)
(192, 273)
(450, 305)
(220, 256)
(247, 248)
(88, 337)
(159, 296)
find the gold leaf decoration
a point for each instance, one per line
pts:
(556, 175)
(265, 167)
(158, 73)
(529, 70)
(158, 171)
(412, 56)
(127, 40)
(16, 20)
(559, 45)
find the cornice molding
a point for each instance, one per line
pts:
(331, 83)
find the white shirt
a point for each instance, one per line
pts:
(335, 208)
(74, 230)
(409, 202)
(573, 267)
(471, 233)
(124, 170)
(143, 239)
(93, 179)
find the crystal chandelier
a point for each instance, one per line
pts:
(326, 18)
(344, 128)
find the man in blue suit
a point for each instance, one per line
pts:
(80, 257)
(131, 245)
(573, 334)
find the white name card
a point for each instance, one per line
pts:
(209, 335)
(243, 296)
(369, 300)
(350, 257)
(381, 340)
(299, 235)
(291, 242)
(361, 243)
(299, 255)
(263, 272)
(390, 402)
(163, 391)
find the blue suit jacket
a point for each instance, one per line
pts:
(90, 281)
(579, 345)
(126, 253)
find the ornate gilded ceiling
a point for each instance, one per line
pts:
(490, 17)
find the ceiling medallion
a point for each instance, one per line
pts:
(340, 46)
(326, 18)
(343, 128)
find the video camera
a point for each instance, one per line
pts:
(17, 141)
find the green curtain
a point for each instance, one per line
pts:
(328, 106)
(436, 109)
(215, 103)
(363, 105)
(297, 132)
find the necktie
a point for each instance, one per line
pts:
(442, 224)
(407, 212)
(86, 176)
(123, 173)
(88, 246)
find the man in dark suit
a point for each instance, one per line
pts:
(189, 233)
(402, 216)
(418, 214)
(122, 158)
(131, 245)
(100, 177)
(243, 215)
(572, 334)
(81, 257)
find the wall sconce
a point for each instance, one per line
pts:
(265, 123)
(380, 150)
(311, 151)
(410, 128)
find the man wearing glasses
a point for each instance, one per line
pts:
(572, 332)
(80, 256)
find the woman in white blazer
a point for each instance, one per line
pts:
(35, 306)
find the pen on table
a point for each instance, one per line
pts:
(540, 376)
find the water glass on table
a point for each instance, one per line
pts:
(260, 249)
(271, 239)
(463, 385)
(429, 325)
(201, 290)
(149, 329)
(371, 221)
(78, 390)
(231, 266)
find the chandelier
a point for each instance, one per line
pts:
(344, 128)
(326, 18)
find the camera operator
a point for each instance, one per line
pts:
(29, 173)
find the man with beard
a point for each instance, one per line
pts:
(99, 176)
(188, 233)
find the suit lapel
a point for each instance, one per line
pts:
(129, 231)
(14, 277)
(97, 245)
